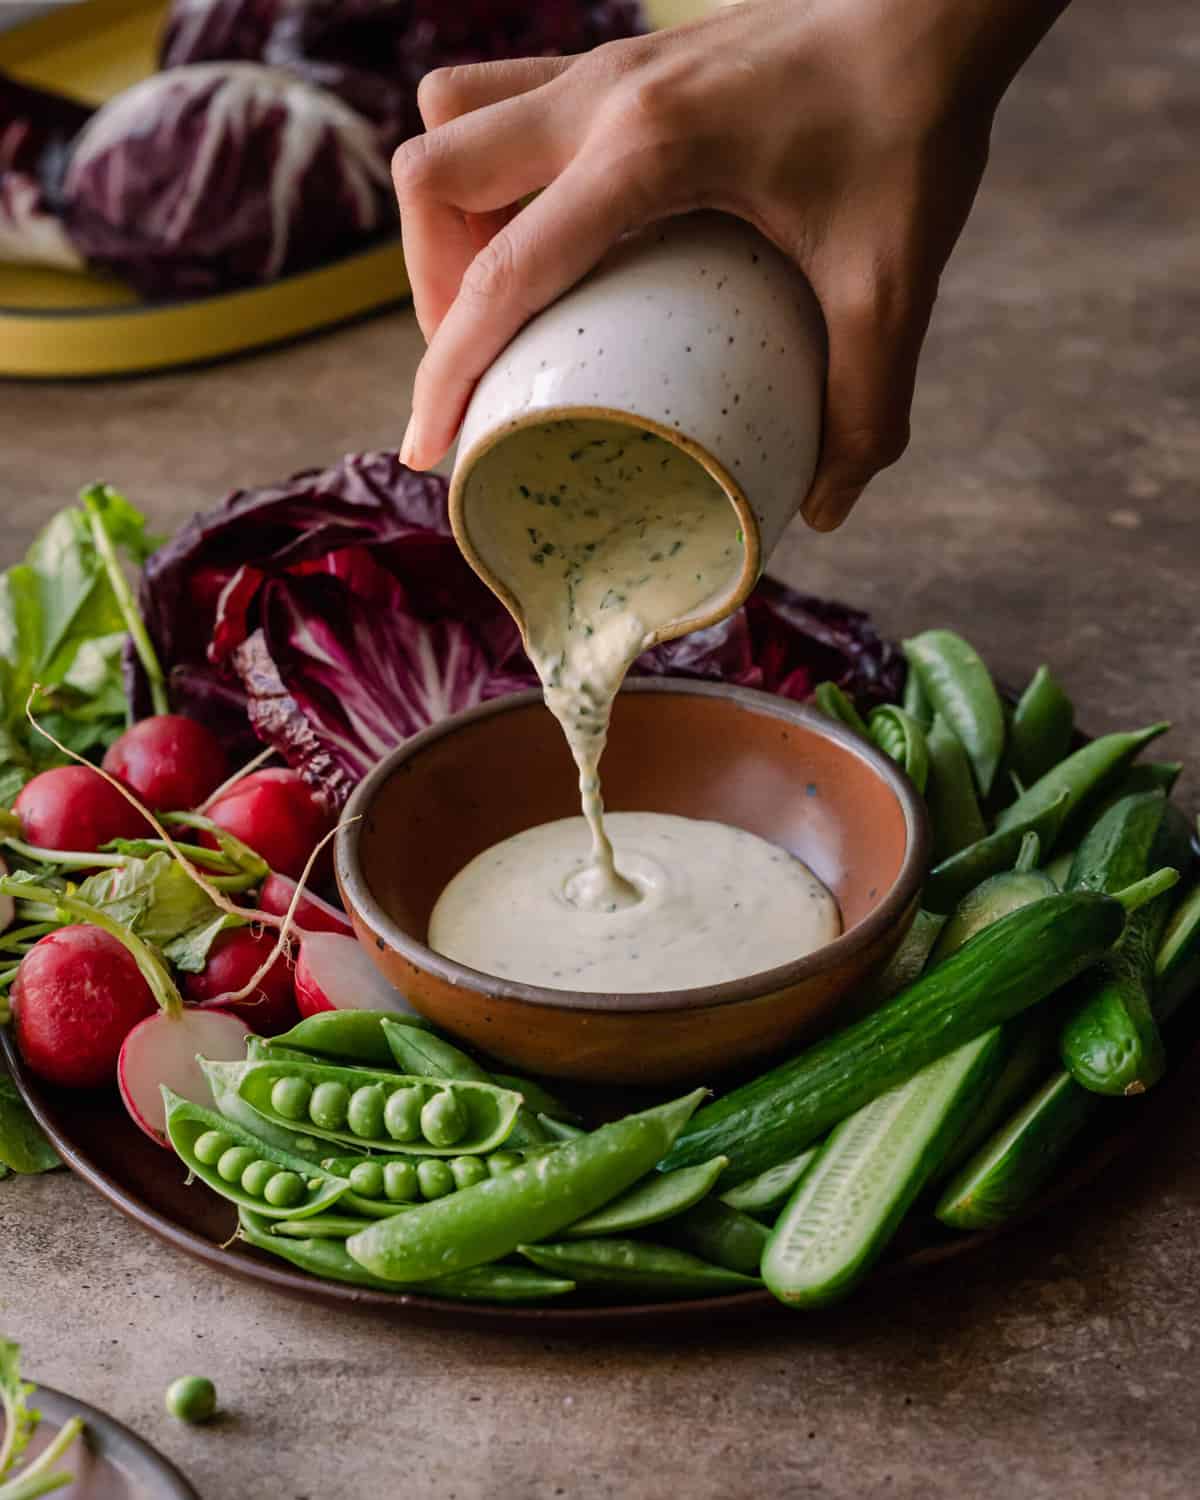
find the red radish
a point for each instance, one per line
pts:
(276, 813)
(233, 960)
(8, 907)
(73, 807)
(170, 762)
(163, 1049)
(312, 914)
(337, 973)
(76, 997)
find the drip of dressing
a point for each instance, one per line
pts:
(714, 903)
(603, 533)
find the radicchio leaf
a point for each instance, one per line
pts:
(221, 175)
(36, 130)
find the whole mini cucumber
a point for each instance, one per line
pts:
(1002, 971)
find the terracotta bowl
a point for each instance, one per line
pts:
(701, 750)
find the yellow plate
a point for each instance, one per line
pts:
(56, 324)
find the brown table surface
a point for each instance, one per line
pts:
(1047, 508)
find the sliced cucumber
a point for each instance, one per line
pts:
(874, 1164)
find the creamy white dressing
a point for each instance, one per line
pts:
(715, 903)
(603, 535)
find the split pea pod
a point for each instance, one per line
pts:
(950, 793)
(422, 1054)
(530, 1203)
(369, 1108)
(327, 1258)
(244, 1169)
(899, 735)
(1043, 723)
(960, 689)
(637, 1269)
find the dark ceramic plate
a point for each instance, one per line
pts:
(110, 1462)
(95, 1136)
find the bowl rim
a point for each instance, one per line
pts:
(904, 890)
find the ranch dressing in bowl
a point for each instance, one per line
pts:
(602, 533)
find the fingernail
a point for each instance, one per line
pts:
(408, 442)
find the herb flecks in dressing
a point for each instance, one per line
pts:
(716, 903)
(604, 534)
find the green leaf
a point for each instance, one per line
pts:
(23, 1147)
(189, 951)
(153, 896)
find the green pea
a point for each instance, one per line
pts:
(211, 1146)
(443, 1119)
(257, 1175)
(290, 1098)
(366, 1178)
(284, 1190)
(467, 1170)
(503, 1161)
(191, 1398)
(365, 1113)
(402, 1115)
(435, 1177)
(400, 1183)
(233, 1162)
(328, 1106)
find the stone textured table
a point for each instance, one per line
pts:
(1047, 508)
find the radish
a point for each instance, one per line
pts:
(171, 762)
(75, 999)
(312, 914)
(73, 807)
(276, 814)
(163, 1049)
(336, 973)
(233, 960)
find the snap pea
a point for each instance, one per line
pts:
(1143, 776)
(560, 1130)
(720, 1234)
(637, 1269)
(987, 903)
(832, 701)
(1179, 949)
(475, 1117)
(537, 1097)
(916, 705)
(354, 1036)
(420, 1053)
(1083, 776)
(328, 1259)
(532, 1202)
(659, 1196)
(960, 689)
(949, 881)
(950, 793)
(770, 1190)
(321, 1226)
(899, 735)
(223, 1155)
(1042, 727)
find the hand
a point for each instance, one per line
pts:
(852, 133)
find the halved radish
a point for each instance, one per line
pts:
(312, 914)
(336, 973)
(163, 1049)
(8, 907)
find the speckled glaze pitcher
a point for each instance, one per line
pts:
(697, 329)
